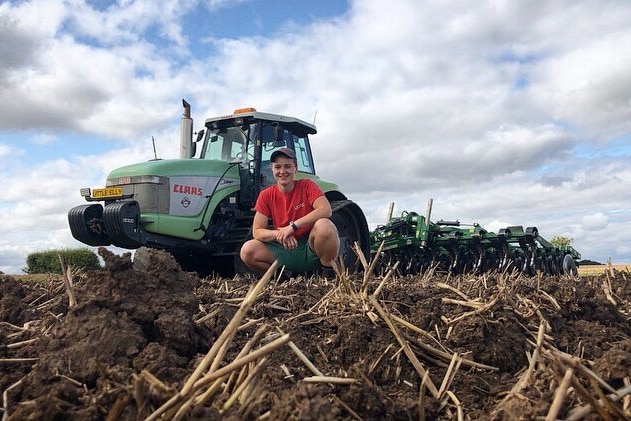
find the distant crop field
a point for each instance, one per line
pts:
(37, 277)
(595, 270)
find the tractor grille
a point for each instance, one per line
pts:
(151, 192)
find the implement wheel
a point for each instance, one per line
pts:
(569, 266)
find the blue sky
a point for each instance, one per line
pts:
(505, 113)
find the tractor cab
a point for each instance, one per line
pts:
(248, 138)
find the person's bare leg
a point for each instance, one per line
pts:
(325, 241)
(257, 256)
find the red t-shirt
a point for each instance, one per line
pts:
(282, 208)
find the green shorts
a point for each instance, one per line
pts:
(303, 259)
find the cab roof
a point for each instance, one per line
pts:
(246, 114)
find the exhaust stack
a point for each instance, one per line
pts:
(186, 132)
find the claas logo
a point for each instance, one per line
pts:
(185, 189)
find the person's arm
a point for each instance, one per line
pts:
(262, 233)
(321, 209)
(260, 230)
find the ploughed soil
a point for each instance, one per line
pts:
(143, 340)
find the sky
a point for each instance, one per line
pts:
(502, 112)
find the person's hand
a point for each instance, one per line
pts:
(285, 236)
(290, 243)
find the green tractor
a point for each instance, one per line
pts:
(200, 209)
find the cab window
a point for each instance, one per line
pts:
(227, 144)
(303, 155)
(300, 145)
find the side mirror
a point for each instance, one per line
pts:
(200, 135)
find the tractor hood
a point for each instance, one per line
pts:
(177, 187)
(174, 168)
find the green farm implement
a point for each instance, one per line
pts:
(419, 244)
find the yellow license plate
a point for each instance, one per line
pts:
(107, 193)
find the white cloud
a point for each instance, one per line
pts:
(596, 221)
(8, 151)
(127, 22)
(218, 4)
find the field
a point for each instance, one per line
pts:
(144, 340)
(596, 270)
